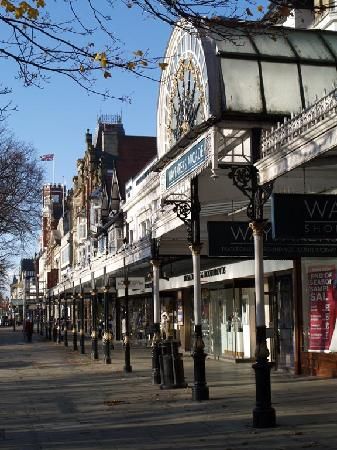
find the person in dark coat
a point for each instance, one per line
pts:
(28, 330)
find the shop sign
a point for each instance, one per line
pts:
(207, 273)
(135, 283)
(304, 216)
(235, 239)
(186, 164)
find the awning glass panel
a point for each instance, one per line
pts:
(317, 82)
(273, 44)
(281, 78)
(234, 41)
(242, 89)
(331, 40)
(310, 46)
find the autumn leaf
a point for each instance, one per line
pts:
(249, 13)
(260, 8)
(103, 60)
(107, 74)
(82, 69)
(163, 65)
(33, 13)
(131, 65)
(138, 53)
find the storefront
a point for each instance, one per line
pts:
(228, 311)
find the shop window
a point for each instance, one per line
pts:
(319, 288)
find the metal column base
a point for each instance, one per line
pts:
(75, 340)
(94, 348)
(127, 367)
(106, 351)
(264, 415)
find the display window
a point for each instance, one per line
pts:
(319, 305)
(227, 320)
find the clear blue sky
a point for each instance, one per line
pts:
(54, 119)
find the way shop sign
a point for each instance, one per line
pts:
(235, 239)
(186, 164)
(304, 216)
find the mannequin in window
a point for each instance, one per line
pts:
(164, 324)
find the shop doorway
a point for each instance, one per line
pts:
(282, 323)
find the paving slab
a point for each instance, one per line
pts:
(53, 398)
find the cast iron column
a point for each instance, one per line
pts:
(49, 335)
(107, 336)
(156, 378)
(245, 178)
(200, 389)
(264, 415)
(37, 318)
(127, 366)
(59, 332)
(94, 338)
(54, 321)
(74, 321)
(41, 319)
(82, 346)
(65, 313)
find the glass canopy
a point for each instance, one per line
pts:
(276, 70)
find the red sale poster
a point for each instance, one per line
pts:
(322, 298)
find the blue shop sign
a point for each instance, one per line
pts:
(186, 163)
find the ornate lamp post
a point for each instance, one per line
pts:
(65, 313)
(107, 335)
(81, 305)
(127, 365)
(183, 207)
(245, 178)
(94, 334)
(74, 318)
(42, 318)
(156, 378)
(59, 332)
(49, 319)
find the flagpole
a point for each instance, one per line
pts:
(54, 169)
(63, 189)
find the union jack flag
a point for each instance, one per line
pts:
(48, 157)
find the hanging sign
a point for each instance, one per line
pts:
(304, 216)
(135, 283)
(186, 164)
(236, 239)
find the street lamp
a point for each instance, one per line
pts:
(107, 335)
(127, 366)
(59, 333)
(183, 208)
(94, 337)
(245, 178)
(156, 378)
(81, 306)
(65, 320)
(74, 317)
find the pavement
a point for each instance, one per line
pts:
(53, 398)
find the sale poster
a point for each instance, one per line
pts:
(322, 298)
